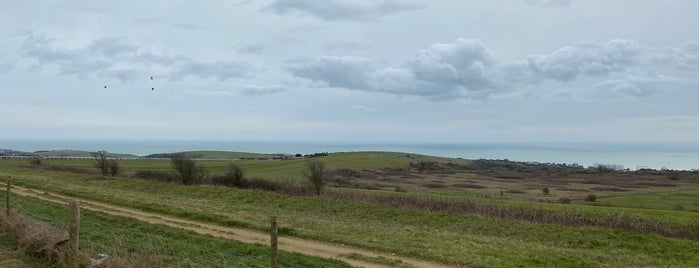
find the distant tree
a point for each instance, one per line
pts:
(314, 174)
(101, 161)
(187, 169)
(591, 198)
(546, 191)
(36, 159)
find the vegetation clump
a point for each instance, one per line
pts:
(591, 198)
(314, 174)
(188, 171)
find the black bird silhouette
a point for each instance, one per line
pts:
(105, 86)
(152, 88)
(151, 78)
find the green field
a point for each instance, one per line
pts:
(683, 199)
(454, 239)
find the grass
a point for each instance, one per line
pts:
(162, 246)
(685, 198)
(456, 239)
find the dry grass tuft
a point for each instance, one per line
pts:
(35, 238)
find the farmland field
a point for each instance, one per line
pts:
(450, 238)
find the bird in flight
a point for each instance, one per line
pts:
(151, 78)
(105, 86)
(152, 88)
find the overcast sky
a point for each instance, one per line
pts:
(351, 70)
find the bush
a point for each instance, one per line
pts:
(232, 178)
(35, 160)
(546, 191)
(564, 200)
(101, 161)
(591, 198)
(154, 175)
(314, 174)
(187, 169)
(673, 175)
(114, 168)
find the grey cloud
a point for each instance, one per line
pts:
(256, 48)
(351, 46)
(160, 21)
(348, 72)
(221, 70)
(619, 87)
(465, 68)
(592, 59)
(114, 57)
(254, 90)
(441, 71)
(6, 67)
(550, 3)
(687, 55)
(111, 47)
(342, 9)
(70, 61)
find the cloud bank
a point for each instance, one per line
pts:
(466, 69)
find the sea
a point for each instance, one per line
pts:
(678, 156)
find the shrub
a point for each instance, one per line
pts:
(232, 178)
(591, 198)
(187, 169)
(154, 175)
(314, 174)
(101, 161)
(564, 200)
(114, 168)
(673, 175)
(546, 191)
(35, 160)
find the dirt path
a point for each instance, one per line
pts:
(291, 244)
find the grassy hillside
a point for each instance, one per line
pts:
(76, 153)
(270, 169)
(456, 239)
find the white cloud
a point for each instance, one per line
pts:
(466, 62)
(342, 9)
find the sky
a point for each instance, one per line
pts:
(394, 71)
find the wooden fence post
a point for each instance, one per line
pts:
(274, 245)
(7, 201)
(73, 231)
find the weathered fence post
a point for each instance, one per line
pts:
(274, 245)
(7, 201)
(73, 231)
